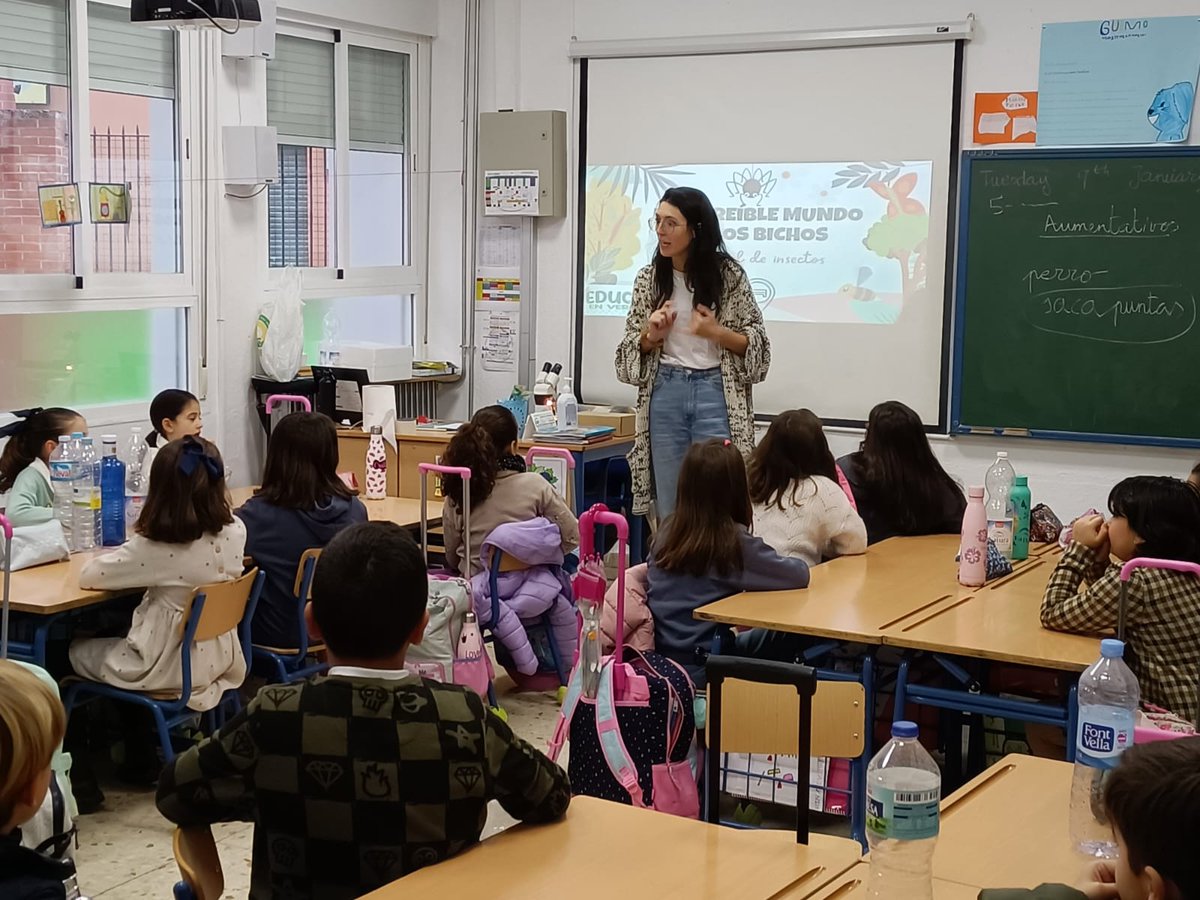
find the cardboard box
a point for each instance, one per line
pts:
(622, 423)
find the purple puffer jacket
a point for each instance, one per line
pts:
(528, 593)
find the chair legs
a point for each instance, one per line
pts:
(164, 734)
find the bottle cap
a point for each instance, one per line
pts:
(975, 492)
(1021, 481)
(904, 730)
(63, 438)
(109, 438)
(1111, 648)
(376, 429)
(1003, 454)
(76, 435)
(87, 440)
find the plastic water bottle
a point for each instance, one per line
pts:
(62, 480)
(999, 481)
(84, 529)
(89, 487)
(376, 465)
(568, 406)
(1020, 499)
(904, 789)
(135, 478)
(972, 551)
(1108, 703)
(330, 350)
(112, 493)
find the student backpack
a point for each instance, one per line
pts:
(634, 741)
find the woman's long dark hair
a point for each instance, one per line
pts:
(301, 469)
(707, 258)
(794, 448)
(27, 437)
(712, 500)
(478, 446)
(904, 476)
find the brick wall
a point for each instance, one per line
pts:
(318, 208)
(33, 150)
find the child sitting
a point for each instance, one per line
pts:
(900, 487)
(799, 509)
(501, 490)
(705, 552)
(359, 777)
(302, 504)
(174, 415)
(1152, 516)
(186, 536)
(32, 722)
(25, 463)
(1152, 799)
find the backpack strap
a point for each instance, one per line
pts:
(570, 701)
(608, 730)
(61, 836)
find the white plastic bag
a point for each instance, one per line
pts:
(280, 330)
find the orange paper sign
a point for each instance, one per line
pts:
(1006, 118)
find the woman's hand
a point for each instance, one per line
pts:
(1092, 533)
(705, 324)
(658, 326)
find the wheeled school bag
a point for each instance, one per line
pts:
(634, 741)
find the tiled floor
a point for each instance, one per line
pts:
(125, 851)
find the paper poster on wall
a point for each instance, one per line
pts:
(499, 246)
(60, 205)
(109, 203)
(828, 242)
(497, 290)
(496, 334)
(1006, 117)
(1118, 81)
(510, 192)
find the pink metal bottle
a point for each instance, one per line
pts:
(376, 465)
(972, 559)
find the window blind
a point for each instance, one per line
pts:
(33, 41)
(300, 91)
(129, 59)
(378, 100)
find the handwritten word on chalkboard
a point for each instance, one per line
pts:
(1077, 284)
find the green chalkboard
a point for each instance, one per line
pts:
(1076, 300)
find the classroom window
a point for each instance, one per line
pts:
(35, 134)
(133, 142)
(84, 359)
(301, 221)
(380, 319)
(378, 184)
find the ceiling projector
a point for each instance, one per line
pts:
(228, 15)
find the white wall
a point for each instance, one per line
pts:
(526, 64)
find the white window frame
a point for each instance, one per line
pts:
(332, 282)
(87, 291)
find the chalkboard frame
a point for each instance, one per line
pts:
(969, 157)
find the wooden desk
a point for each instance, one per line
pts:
(1008, 827)
(404, 512)
(54, 588)
(606, 850)
(852, 885)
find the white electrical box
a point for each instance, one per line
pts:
(381, 362)
(253, 43)
(251, 154)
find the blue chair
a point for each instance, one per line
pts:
(216, 609)
(501, 563)
(289, 664)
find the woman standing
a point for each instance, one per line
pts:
(694, 344)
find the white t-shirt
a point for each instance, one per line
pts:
(682, 348)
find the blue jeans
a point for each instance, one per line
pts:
(686, 406)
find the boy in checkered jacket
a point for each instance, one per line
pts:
(358, 777)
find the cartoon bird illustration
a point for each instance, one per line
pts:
(859, 290)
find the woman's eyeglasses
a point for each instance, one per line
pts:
(666, 225)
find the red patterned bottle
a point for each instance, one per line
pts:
(376, 465)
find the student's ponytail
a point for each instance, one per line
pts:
(478, 445)
(27, 436)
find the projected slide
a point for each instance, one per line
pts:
(827, 242)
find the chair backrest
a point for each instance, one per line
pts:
(217, 609)
(198, 861)
(304, 575)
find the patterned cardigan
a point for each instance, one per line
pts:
(738, 311)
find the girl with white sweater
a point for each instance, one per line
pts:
(799, 507)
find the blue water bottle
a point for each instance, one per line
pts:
(112, 494)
